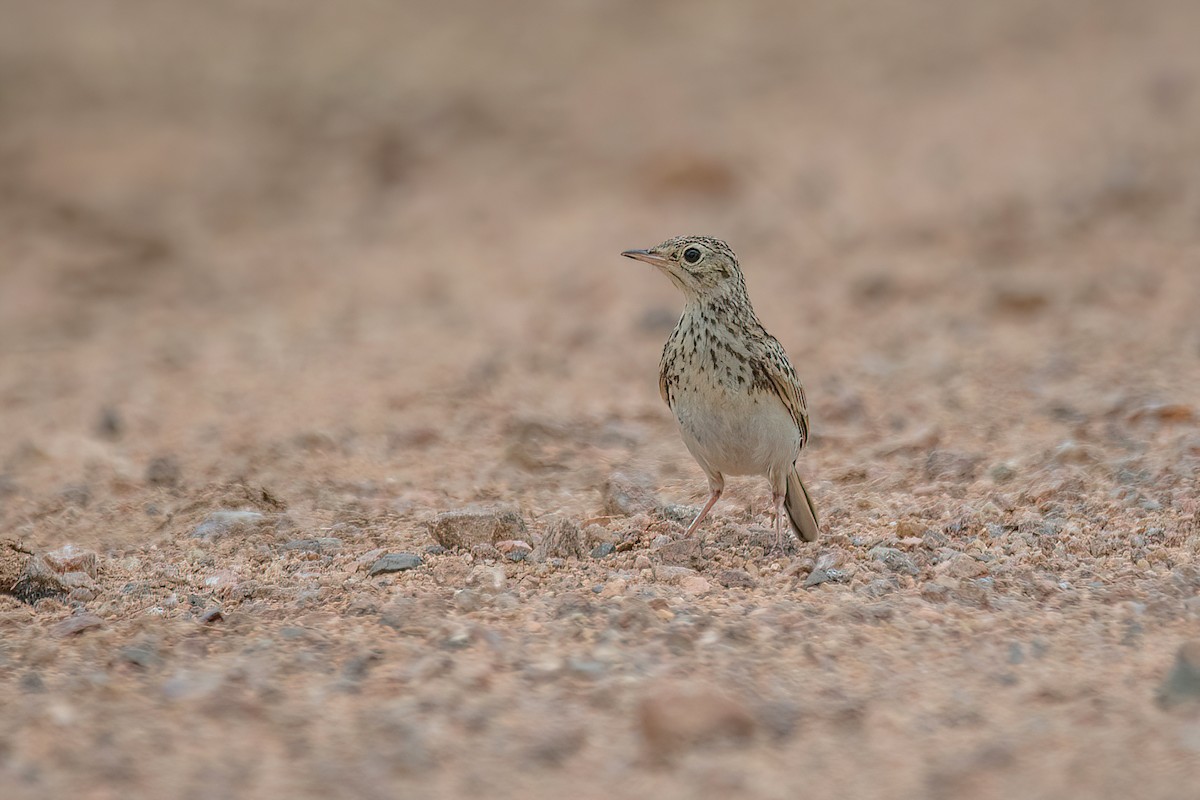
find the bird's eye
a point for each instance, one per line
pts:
(691, 255)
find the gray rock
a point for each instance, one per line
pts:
(163, 471)
(395, 562)
(1182, 684)
(603, 550)
(219, 523)
(895, 560)
(736, 578)
(465, 528)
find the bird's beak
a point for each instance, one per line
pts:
(649, 256)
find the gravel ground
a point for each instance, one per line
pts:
(332, 462)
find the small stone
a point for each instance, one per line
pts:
(736, 578)
(1070, 452)
(641, 562)
(467, 600)
(961, 565)
(76, 494)
(1182, 685)
(72, 626)
(625, 494)
(816, 578)
(950, 465)
(109, 424)
(909, 528)
(327, 544)
(895, 560)
(1002, 472)
(466, 528)
(144, 656)
(70, 558)
(669, 574)
(211, 615)
(603, 550)
(673, 719)
(395, 562)
(681, 514)
(514, 549)
(435, 550)
(222, 522)
(36, 580)
(563, 539)
(1164, 412)
(163, 471)
(694, 585)
(488, 579)
(680, 552)
(614, 588)
(485, 552)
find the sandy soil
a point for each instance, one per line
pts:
(350, 266)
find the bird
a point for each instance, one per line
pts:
(740, 407)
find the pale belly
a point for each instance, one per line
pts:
(734, 433)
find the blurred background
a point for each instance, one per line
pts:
(427, 192)
(365, 253)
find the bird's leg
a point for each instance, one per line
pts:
(780, 527)
(712, 500)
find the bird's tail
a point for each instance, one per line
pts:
(800, 508)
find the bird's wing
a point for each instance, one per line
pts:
(773, 364)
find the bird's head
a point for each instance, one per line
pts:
(699, 265)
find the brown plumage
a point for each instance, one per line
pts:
(741, 408)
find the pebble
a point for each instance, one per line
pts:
(488, 579)
(694, 585)
(895, 560)
(563, 539)
(961, 565)
(465, 528)
(144, 656)
(603, 550)
(736, 578)
(467, 600)
(626, 494)
(668, 574)
(680, 552)
(327, 544)
(641, 562)
(514, 549)
(72, 626)
(221, 522)
(674, 719)
(70, 558)
(211, 615)
(614, 588)
(163, 471)
(395, 562)
(1182, 684)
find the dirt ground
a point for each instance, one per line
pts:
(282, 281)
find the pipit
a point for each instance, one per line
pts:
(740, 406)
